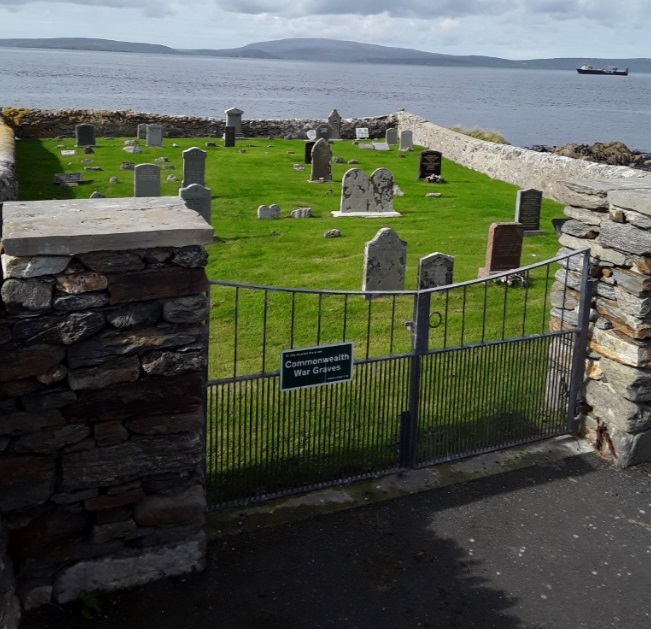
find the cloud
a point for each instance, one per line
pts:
(148, 7)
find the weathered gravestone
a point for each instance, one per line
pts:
(380, 146)
(141, 131)
(321, 158)
(309, 145)
(367, 197)
(194, 167)
(527, 210)
(361, 133)
(269, 211)
(154, 135)
(229, 136)
(324, 131)
(435, 270)
(391, 136)
(146, 180)
(429, 163)
(406, 139)
(67, 179)
(504, 248)
(234, 119)
(85, 134)
(198, 198)
(385, 258)
(334, 120)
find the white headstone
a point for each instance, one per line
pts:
(311, 134)
(361, 133)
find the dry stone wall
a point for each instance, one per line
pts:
(102, 375)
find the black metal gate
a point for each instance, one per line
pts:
(438, 375)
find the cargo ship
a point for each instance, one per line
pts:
(585, 69)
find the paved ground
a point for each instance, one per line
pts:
(562, 544)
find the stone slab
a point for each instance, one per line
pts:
(70, 227)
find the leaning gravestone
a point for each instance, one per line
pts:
(504, 248)
(194, 167)
(527, 210)
(391, 136)
(364, 197)
(324, 131)
(85, 134)
(334, 120)
(141, 132)
(198, 198)
(321, 158)
(154, 135)
(146, 180)
(229, 136)
(385, 258)
(406, 139)
(429, 163)
(309, 145)
(435, 270)
(234, 119)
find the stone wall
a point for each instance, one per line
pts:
(519, 166)
(613, 219)
(8, 183)
(103, 348)
(41, 123)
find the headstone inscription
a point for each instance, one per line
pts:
(385, 258)
(146, 180)
(368, 198)
(321, 161)
(154, 135)
(391, 136)
(361, 133)
(198, 198)
(234, 119)
(309, 145)
(324, 131)
(334, 120)
(429, 163)
(504, 248)
(141, 131)
(85, 134)
(406, 139)
(229, 136)
(435, 270)
(194, 167)
(527, 210)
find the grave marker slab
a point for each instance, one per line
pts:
(321, 161)
(361, 133)
(334, 120)
(429, 163)
(504, 248)
(68, 152)
(67, 179)
(435, 270)
(198, 198)
(391, 136)
(309, 145)
(85, 134)
(527, 210)
(234, 119)
(229, 136)
(406, 139)
(385, 258)
(146, 180)
(154, 135)
(194, 167)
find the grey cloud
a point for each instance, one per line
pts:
(150, 7)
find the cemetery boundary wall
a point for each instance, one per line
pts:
(523, 167)
(103, 348)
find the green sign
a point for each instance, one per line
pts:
(314, 366)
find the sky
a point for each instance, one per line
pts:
(511, 29)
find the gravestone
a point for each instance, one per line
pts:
(141, 132)
(85, 134)
(391, 136)
(68, 152)
(154, 135)
(429, 163)
(435, 270)
(309, 145)
(146, 180)
(385, 258)
(364, 197)
(504, 248)
(321, 158)
(198, 198)
(234, 119)
(311, 134)
(406, 139)
(66, 179)
(361, 133)
(380, 146)
(324, 131)
(334, 120)
(194, 167)
(229, 136)
(527, 210)
(268, 211)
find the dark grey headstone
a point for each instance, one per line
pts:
(324, 131)
(391, 136)
(435, 270)
(85, 134)
(154, 135)
(194, 167)
(229, 136)
(527, 210)
(198, 198)
(429, 164)
(334, 120)
(321, 158)
(504, 248)
(67, 179)
(141, 132)
(146, 180)
(309, 145)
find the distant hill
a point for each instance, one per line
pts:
(332, 50)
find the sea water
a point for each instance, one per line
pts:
(527, 107)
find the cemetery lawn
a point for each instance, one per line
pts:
(293, 252)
